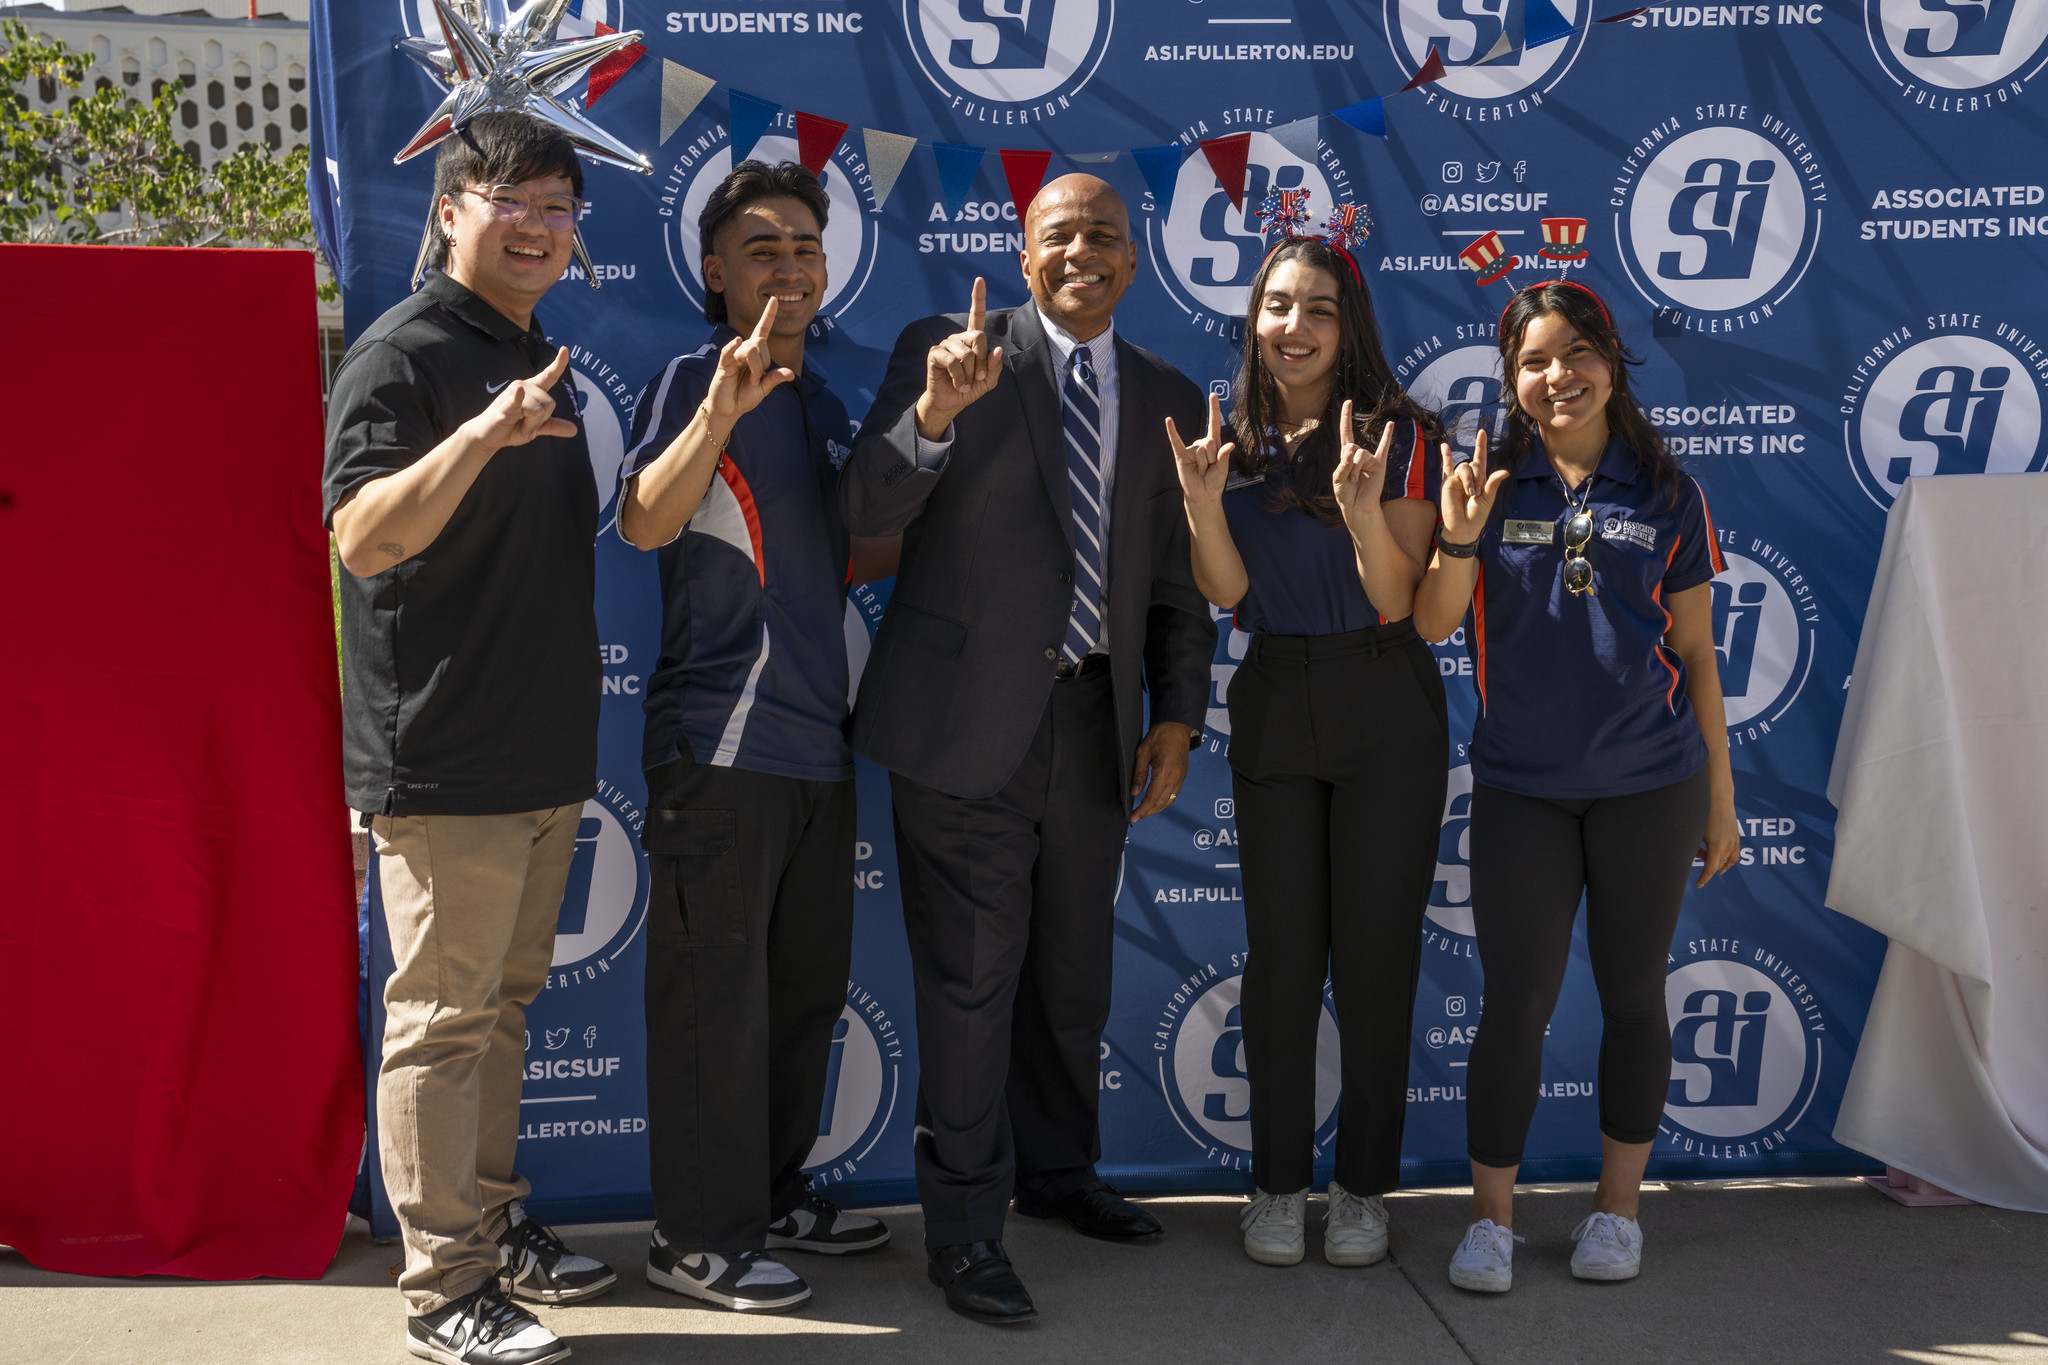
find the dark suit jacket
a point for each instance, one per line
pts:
(963, 661)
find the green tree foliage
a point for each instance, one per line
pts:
(108, 168)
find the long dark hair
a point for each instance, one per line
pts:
(1584, 311)
(1361, 374)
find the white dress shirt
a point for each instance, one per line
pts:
(1102, 355)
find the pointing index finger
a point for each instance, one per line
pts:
(977, 310)
(1215, 416)
(546, 378)
(767, 322)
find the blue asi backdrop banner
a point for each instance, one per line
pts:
(1821, 224)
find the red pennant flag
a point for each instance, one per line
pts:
(1227, 157)
(1432, 70)
(1025, 172)
(607, 72)
(817, 138)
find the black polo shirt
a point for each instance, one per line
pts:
(470, 672)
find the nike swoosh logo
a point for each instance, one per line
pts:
(493, 388)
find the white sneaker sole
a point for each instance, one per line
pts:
(427, 1350)
(1626, 1270)
(1352, 1256)
(826, 1248)
(1276, 1255)
(1483, 1281)
(560, 1296)
(684, 1285)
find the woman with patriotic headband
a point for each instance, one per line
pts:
(1312, 525)
(1600, 767)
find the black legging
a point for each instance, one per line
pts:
(1337, 762)
(1531, 859)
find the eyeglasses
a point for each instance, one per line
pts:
(1578, 570)
(510, 204)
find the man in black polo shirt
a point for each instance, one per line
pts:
(465, 512)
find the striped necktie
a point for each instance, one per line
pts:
(1082, 417)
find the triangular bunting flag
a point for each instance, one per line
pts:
(1025, 172)
(1543, 22)
(1227, 156)
(1432, 70)
(607, 72)
(957, 165)
(1367, 116)
(682, 90)
(1161, 168)
(1301, 137)
(886, 154)
(816, 139)
(1502, 49)
(751, 116)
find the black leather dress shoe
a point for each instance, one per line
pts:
(1094, 1210)
(979, 1282)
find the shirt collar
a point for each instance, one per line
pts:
(1617, 463)
(460, 300)
(1101, 348)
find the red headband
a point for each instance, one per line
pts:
(1342, 254)
(1562, 284)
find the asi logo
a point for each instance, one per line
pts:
(850, 235)
(863, 1078)
(1489, 72)
(605, 902)
(1463, 386)
(1958, 56)
(1205, 251)
(1766, 624)
(604, 409)
(1202, 1069)
(1009, 61)
(1719, 224)
(1450, 895)
(1957, 402)
(1746, 1033)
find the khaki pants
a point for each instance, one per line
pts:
(471, 903)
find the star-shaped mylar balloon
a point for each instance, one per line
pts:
(497, 57)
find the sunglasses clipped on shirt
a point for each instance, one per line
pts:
(510, 204)
(1578, 570)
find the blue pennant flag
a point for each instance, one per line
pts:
(957, 165)
(1543, 23)
(750, 118)
(1367, 116)
(1161, 168)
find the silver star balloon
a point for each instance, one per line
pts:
(496, 57)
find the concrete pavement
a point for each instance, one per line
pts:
(1806, 1270)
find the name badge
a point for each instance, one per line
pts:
(1518, 532)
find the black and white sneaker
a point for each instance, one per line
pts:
(752, 1282)
(545, 1271)
(483, 1328)
(822, 1226)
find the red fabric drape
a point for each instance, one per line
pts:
(180, 1079)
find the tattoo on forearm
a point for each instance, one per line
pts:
(393, 548)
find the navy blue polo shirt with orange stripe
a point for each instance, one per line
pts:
(1302, 570)
(752, 672)
(1579, 696)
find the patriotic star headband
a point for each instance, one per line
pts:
(1287, 213)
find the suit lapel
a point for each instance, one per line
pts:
(1030, 358)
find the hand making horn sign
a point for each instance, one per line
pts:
(525, 409)
(1205, 465)
(1467, 498)
(1361, 474)
(958, 370)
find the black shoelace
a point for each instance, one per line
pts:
(542, 1240)
(494, 1312)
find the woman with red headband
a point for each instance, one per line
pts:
(1337, 723)
(1600, 757)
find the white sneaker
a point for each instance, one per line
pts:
(1274, 1227)
(1355, 1232)
(1485, 1260)
(1610, 1248)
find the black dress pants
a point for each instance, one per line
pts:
(749, 941)
(1337, 753)
(1531, 861)
(1010, 906)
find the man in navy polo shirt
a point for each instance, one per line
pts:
(750, 829)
